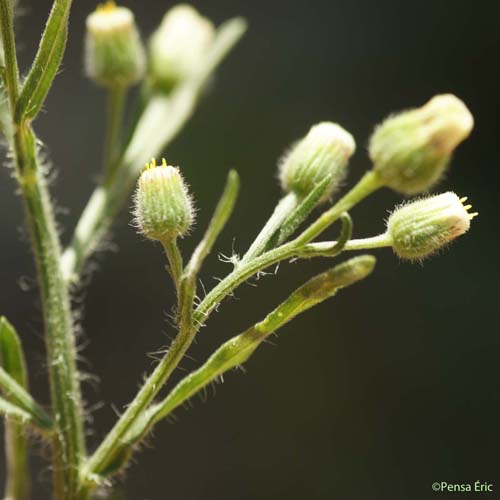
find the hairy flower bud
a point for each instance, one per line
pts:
(179, 45)
(412, 149)
(163, 207)
(422, 227)
(114, 54)
(324, 151)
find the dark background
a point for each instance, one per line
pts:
(375, 395)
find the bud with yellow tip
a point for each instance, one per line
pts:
(114, 54)
(422, 227)
(412, 149)
(163, 207)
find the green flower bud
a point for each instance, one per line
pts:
(422, 227)
(114, 54)
(163, 206)
(179, 45)
(412, 149)
(324, 151)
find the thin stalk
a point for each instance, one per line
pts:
(106, 451)
(369, 183)
(114, 120)
(175, 261)
(322, 249)
(285, 207)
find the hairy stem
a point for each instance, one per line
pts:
(175, 262)
(369, 183)
(284, 208)
(68, 443)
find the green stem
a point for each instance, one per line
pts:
(175, 262)
(369, 183)
(68, 443)
(284, 208)
(116, 104)
(322, 249)
(99, 461)
(9, 48)
(18, 486)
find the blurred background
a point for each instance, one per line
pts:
(375, 395)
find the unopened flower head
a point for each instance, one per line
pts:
(163, 206)
(324, 151)
(422, 227)
(412, 149)
(179, 46)
(114, 54)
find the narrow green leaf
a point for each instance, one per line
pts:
(18, 485)
(20, 397)
(14, 412)
(300, 214)
(9, 57)
(11, 353)
(46, 64)
(219, 219)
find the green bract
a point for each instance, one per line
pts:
(412, 149)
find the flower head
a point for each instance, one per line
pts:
(114, 54)
(422, 227)
(324, 151)
(412, 149)
(163, 206)
(179, 45)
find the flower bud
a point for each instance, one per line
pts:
(412, 149)
(114, 54)
(163, 207)
(179, 45)
(422, 227)
(324, 151)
